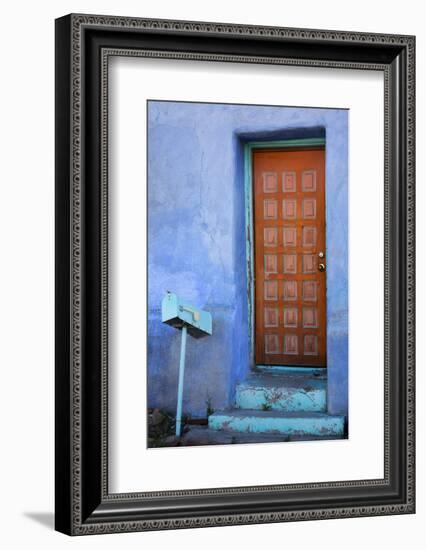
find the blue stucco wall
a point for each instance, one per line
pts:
(197, 241)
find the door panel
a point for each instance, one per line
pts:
(289, 237)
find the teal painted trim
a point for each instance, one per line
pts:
(248, 194)
(280, 144)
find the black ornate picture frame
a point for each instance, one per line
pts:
(84, 43)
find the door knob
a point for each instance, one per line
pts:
(321, 267)
(321, 254)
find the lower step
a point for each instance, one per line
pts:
(286, 423)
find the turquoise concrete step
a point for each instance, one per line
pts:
(291, 391)
(278, 422)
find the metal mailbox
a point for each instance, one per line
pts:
(181, 315)
(177, 313)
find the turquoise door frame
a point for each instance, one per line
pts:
(248, 194)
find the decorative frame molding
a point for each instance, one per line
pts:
(84, 44)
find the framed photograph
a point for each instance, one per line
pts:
(234, 274)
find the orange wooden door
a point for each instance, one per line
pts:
(289, 250)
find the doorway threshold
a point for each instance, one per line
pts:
(284, 369)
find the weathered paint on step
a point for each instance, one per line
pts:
(202, 435)
(287, 423)
(294, 391)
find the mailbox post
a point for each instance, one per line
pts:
(198, 323)
(180, 383)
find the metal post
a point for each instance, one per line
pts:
(180, 385)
